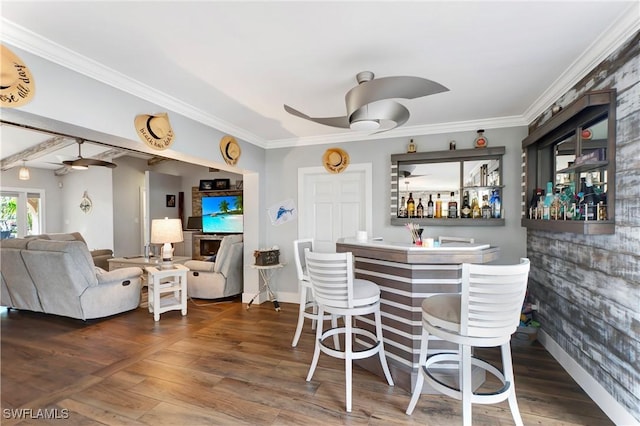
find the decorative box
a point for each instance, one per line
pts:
(267, 257)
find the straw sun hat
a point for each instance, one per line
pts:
(155, 130)
(230, 150)
(16, 82)
(335, 160)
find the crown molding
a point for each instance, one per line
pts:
(33, 43)
(405, 131)
(627, 24)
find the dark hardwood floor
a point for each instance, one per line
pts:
(223, 364)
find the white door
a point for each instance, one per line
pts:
(333, 206)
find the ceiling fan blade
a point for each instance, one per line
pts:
(341, 122)
(86, 162)
(404, 87)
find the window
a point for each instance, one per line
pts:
(21, 212)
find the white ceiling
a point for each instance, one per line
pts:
(233, 65)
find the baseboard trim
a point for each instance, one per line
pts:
(612, 408)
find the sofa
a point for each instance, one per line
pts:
(220, 278)
(100, 256)
(60, 278)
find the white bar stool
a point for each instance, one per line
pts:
(337, 292)
(485, 314)
(308, 306)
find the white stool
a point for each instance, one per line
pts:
(338, 293)
(308, 307)
(485, 314)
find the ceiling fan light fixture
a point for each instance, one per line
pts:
(24, 173)
(365, 125)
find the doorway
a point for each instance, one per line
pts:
(334, 206)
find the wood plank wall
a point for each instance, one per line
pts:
(589, 286)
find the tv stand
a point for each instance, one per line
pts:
(205, 245)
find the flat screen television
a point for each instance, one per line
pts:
(222, 214)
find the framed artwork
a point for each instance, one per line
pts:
(171, 200)
(221, 184)
(206, 185)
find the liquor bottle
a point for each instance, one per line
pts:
(475, 209)
(496, 204)
(452, 207)
(465, 212)
(411, 206)
(438, 207)
(548, 199)
(481, 140)
(420, 209)
(538, 194)
(588, 200)
(486, 209)
(430, 211)
(402, 211)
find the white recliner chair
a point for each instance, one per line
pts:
(219, 279)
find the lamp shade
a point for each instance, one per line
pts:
(24, 174)
(166, 231)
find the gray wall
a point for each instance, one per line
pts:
(589, 285)
(128, 179)
(62, 201)
(282, 183)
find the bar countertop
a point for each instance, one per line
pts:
(447, 253)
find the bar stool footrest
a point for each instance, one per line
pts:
(477, 397)
(355, 354)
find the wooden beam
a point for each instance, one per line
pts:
(31, 153)
(156, 160)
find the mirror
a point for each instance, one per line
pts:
(443, 175)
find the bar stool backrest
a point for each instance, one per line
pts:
(331, 276)
(492, 297)
(299, 247)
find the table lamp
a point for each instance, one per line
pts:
(166, 231)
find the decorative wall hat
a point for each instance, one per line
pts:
(155, 130)
(335, 160)
(16, 82)
(230, 150)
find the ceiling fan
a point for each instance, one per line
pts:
(83, 163)
(369, 106)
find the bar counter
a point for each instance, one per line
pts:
(407, 274)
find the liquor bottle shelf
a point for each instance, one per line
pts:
(447, 221)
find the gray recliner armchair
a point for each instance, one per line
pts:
(222, 278)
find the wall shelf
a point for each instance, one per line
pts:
(551, 150)
(474, 173)
(447, 221)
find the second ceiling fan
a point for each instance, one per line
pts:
(369, 106)
(82, 163)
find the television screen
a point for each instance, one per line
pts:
(222, 214)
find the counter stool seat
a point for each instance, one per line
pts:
(485, 314)
(337, 292)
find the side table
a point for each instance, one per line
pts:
(267, 273)
(163, 281)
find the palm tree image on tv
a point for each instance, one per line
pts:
(222, 214)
